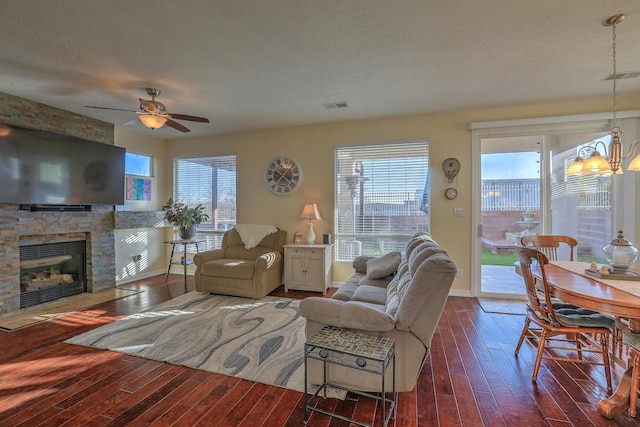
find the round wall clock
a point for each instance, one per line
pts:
(282, 175)
(451, 193)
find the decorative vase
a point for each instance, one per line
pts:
(620, 253)
(187, 233)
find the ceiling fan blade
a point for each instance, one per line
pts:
(190, 118)
(131, 122)
(177, 126)
(107, 108)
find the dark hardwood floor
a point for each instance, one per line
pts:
(471, 378)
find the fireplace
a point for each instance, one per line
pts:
(52, 271)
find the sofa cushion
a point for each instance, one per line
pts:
(232, 268)
(350, 314)
(378, 283)
(372, 294)
(360, 264)
(387, 264)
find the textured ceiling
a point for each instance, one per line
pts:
(255, 64)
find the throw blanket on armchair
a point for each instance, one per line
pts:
(252, 234)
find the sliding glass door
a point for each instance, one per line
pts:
(524, 189)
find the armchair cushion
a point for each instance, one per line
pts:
(235, 268)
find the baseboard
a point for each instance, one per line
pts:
(140, 276)
(459, 293)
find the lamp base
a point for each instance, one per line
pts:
(311, 236)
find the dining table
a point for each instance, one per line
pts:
(570, 283)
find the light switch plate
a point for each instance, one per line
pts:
(458, 212)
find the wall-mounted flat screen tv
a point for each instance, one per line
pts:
(44, 168)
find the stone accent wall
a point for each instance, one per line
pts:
(24, 227)
(139, 219)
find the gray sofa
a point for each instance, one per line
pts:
(405, 306)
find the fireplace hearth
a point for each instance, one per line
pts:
(51, 271)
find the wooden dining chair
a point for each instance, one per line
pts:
(560, 322)
(632, 341)
(549, 244)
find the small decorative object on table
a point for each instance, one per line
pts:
(297, 238)
(620, 254)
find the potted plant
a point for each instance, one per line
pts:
(185, 218)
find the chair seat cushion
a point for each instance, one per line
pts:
(578, 316)
(632, 340)
(231, 268)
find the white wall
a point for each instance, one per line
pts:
(146, 242)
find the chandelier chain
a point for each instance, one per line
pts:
(615, 76)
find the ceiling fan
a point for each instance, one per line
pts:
(153, 114)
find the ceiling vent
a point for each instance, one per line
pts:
(623, 75)
(332, 105)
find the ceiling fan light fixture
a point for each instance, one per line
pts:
(152, 121)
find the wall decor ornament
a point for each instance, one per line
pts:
(282, 175)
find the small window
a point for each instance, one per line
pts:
(137, 164)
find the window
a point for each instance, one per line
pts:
(212, 182)
(382, 197)
(137, 164)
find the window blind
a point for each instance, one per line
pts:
(382, 197)
(210, 181)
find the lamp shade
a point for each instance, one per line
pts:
(596, 164)
(576, 167)
(152, 121)
(310, 212)
(635, 164)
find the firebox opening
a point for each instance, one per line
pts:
(51, 271)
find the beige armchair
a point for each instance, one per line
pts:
(236, 270)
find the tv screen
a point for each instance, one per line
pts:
(44, 168)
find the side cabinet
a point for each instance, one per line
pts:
(307, 267)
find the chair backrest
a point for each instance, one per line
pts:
(550, 244)
(526, 256)
(234, 247)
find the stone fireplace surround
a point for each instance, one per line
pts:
(18, 227)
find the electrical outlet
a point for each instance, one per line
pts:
(458, 212)
(459, 273)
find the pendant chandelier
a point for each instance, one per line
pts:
(610, 163)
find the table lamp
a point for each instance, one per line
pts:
(310, 212)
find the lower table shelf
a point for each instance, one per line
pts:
(357, 350)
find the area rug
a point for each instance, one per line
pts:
(258, 340)
(51, 310)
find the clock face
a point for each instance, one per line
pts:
(451, 193)
(283, 175)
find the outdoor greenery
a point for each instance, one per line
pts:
(489, 258)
